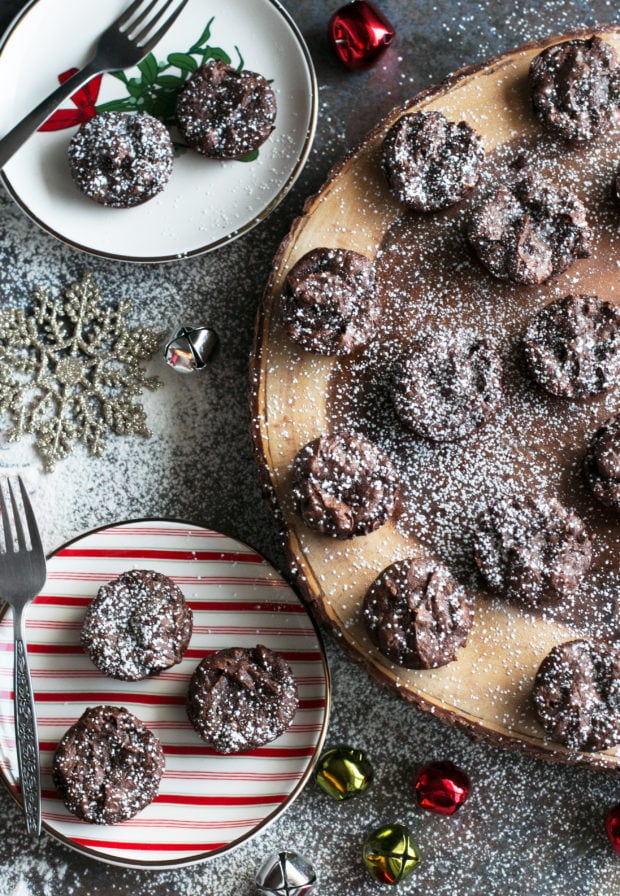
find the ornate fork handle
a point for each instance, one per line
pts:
(26, 734)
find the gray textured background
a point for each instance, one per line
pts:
(529, 828)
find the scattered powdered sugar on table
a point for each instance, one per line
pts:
(529, 828)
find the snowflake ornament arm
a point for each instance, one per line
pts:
(69, 371)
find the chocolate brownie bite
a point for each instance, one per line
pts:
(344, 485)
(138, 625)
(447, 385)
(572, 346)
(241, 698)
(417, 614)
(576, 695)
(431, 162)
(223, 113)
(532, 549)
(575, 88)
(329, 302)
(530, 231)
(121, 159)
(602, 463)
(108, 765)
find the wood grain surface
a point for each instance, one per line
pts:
(486, 691)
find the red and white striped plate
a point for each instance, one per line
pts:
(207, 802)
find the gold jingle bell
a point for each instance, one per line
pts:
(390, 854)
(343, 772)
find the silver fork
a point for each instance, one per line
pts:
(123, 44)
(22, 576)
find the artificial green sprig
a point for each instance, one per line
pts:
(156, 90)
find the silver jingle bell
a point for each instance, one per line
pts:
(189, 348)
(285, 874)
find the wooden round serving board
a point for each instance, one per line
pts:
(298, 395)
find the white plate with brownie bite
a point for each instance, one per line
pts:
(207, 202)
(208, 802)
(431, 283)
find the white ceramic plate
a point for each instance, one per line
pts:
(207, 802)
(206, 203)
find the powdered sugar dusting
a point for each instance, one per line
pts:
(536, 442)
(446, 487)
(108, 765)
(137, 625)
(121, 159)
(240, 699)
(528, 828)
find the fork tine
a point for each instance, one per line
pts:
(124, 17)
(6, 523)
(33, 529)
(131, 27)
(155, 38)
(150, 24)
(19, 529)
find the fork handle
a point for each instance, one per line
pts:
(26, 736)
(12, 141)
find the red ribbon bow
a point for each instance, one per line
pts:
(84, 100)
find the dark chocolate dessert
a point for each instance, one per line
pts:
(577, 695)
(615, 186)
(533, 550)
(575, 88)
(430, 162)
(530, 231)
(417, 614)
(137, 625)
(328, 301)
(602, 463)
(241, 698)
(447, 385)
(344, 485)
(121, 159)
(108, 765)
(224, 113)
(572, 346)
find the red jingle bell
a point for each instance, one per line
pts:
(612, 827)
(359, 34)
(441, 787)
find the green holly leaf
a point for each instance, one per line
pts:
(149, 69)
(250, 157)
(127, 104)
(204, 37)
(157, 88)
(216, 53)
(183, 61)
(135, 87)
(121, 76)
(170, 82)
(161, 104)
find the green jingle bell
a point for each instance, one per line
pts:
(343, 771)
(390, 854)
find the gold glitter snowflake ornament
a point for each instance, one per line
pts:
(70, 370)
